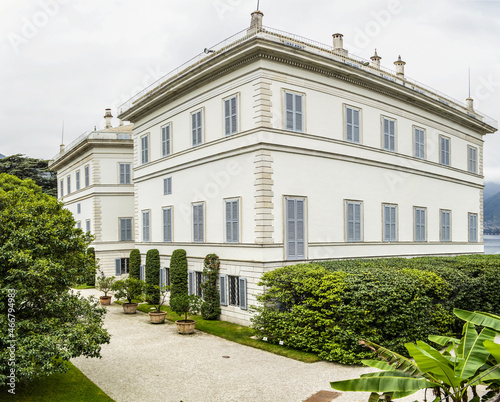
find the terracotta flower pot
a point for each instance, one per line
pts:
(105, 300)
(157, 318)
(130, 308)
(185, 327)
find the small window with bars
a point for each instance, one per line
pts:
(121, 266)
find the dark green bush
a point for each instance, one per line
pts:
(93, 268)
(153, 275)
(178, 274)
(135, 264)
(210, 309)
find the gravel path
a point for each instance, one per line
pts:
(146, 362)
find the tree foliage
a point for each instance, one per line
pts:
(178, 274)
(41, 256)
(37, 170)
(153, 275)
(135, 264)
(210, 309)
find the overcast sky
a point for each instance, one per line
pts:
(68, 60)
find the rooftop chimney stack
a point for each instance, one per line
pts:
(400, 67)
(61, 148)
(470, 104)
(338, 45)
(108, 116)
(376, 60)
(256, 22)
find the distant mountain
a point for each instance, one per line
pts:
(491, 189)
(2, 156)
(492, 213)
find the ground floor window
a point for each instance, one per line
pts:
(233, 291)
(164, 276)
(121, 266)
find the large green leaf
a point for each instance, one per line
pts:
(407, 385)
(493, 348)
(443, 340)
(471, 350)
(484, 319)
(396, 361)
(487, 374)
(387, 373)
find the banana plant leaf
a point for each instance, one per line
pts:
(493, 348)
(484, 319)
(443, 340)
(397, 384)
(396, 361)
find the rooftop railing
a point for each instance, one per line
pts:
(309, 45)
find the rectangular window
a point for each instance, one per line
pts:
(165, 141)
(295, 229)
(77, 180)
(390, 223)
(293, 112)
(232, 221)
(167, 186)
(352, 125)
(125, 173)
(231, 115)
(78, 208)
(191, 287)
(164, 276)
(223, 289)
(197, 128)
(87, 225)
(389, 127)
(353, 221)
(199, 281)
(142, 272)
(445, 151)
(126, 229)
(473, 160)
(419, 140)
(420, 224)
(87, 176)
(144, 149)
(121, 266)
(61, 187)
(234, 294)
(145, 226)
(78, 225)
(473, 228)
(68, 185)
(167, 225)
(198, 224)
(445, 226)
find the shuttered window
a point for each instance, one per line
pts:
(142, 272)
(295, 228)
(293, 112)
(126, 229)
(390, 224)
(232, 222)
(167, 186)
(165, 141)
(68, 185)
(167, 225)
(231, 115)
(191, 287)
(445, 226)
(233, 290)
(198, 223)
(420, 224)
(419, 138)
(242, 287)
(352, 125)
(473, 160)
(144, 149)
(164, 276)
(87, 225)
(78, 208)
(121, 266)
(389, 127)
(145, 226)
(125, 173)
(199, 281)
(61, 187)
(77, 180)
(353, 220)
(197, 127)
(445, 151)
(223, 289)
(473, 228)
(87, 176)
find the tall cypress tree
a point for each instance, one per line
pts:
(135, 264)
(178, 274)
(153, 275)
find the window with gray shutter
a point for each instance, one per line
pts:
(199, 281)
(167, 225)
(118, 266)
(295, 228)
(198, 223)
(77, 180)
(293, 112)
(389, 134)
(445, 151)
(419, 137)
(352, 125)
(197, 127)
(68, 186)
(191, 289)
(420, 224)
(142, 273)
(242, 285)
(144, 149)
(445, 226)
(233, 290)
(61, 187)
(165, 140)
(473, 160)
(145, 226)
(167, 186)
(223, 289)
(231, 115)
(78, 208)
(125, 173)
(473, 228)
(87, 176)
(232, 222)
(125, 229)
(87, 225)
(390, 225)
(353, 220)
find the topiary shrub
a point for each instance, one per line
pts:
(178, 274)
(210, 308)
(135, 264)
(153, 275)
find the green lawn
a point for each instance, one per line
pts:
(71, 386)
(84, 286)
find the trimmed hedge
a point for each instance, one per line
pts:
(328, 307)
(210, 308)
(153, 275)
(178, 274)
(135, 264)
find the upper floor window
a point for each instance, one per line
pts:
(420, 224)
(125, 173)
(167, 225)
(61, 187)
(87, 225)
(445, 225)
(125, 229)
(87, 176)
(145, 149)
(390, 223)
(389, 128)
(295, 228)
(165, 140)
(198, 223)
(473, 228)
(145, 226)
(473, 160)
(353, 221)
(419, 143)
(352, 125)
(231, 115)
(444, 148)
(232, 221)
(77, 180)
(197, 127)
(294, 112)
(78, 208)
(167, 186)
(68, 185)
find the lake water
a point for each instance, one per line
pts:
(491, 244)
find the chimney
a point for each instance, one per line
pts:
(61, 148)
(400, 67)
(108, 116)
(470, 104)
(256, 22)
(376, 60)
(338, 44)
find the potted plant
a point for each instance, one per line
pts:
(157, 316)
(104, 284)
(184, 304)
(129, 289)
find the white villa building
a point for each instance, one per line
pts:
(271, 149)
